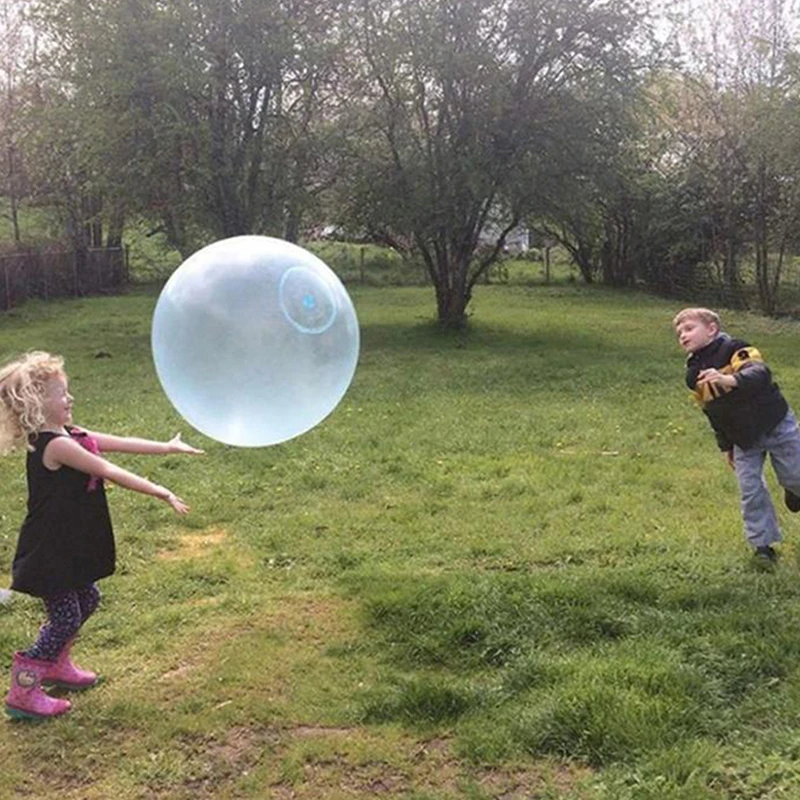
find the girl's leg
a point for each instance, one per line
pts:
(760, 521)
(63, 621)
(66, 615)
(88, 599)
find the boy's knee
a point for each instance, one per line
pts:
(752, 489)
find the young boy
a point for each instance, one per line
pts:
(750, 418)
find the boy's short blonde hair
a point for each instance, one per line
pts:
(705, 315)
(22, 385)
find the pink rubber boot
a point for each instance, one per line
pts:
(25, 699)
(67, 675)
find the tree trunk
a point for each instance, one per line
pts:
(452, 308)
(765, 295)
(91, 211)
(452, 295)
(15, 217)
(12, 192)
(291, 226)
(732, 283)
(606, 259)
(176, 233)
(116, 226)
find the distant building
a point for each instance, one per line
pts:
(518, 240)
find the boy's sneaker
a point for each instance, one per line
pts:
(765, 557)
(792, 501)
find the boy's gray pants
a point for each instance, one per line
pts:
(783, 445)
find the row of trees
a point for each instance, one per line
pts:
(423, 124)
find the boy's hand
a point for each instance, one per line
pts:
(715, 376)
(177, 445)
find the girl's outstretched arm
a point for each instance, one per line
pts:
(131, 444)
(63, 451)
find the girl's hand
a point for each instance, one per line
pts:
(178, 505)
(177, 445)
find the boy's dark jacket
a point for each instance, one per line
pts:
(738, 416)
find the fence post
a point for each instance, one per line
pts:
(75, 272)
(5, 284)
(547, 264)
(43, 270)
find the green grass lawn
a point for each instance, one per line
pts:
(509, 565)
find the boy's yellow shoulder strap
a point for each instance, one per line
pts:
(742, 357)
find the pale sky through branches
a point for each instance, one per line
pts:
(730, 38)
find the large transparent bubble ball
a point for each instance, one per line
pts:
(255, 340)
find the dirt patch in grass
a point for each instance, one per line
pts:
(181, 671)
(360, 780)
(310, 731)
(312, 619)
(522, 784)
(197, 654)
(239, 742)
(194, 545)
(63, 781)
(225, 758)
(361, 766)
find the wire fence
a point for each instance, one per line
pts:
(704, 284)
(48, 274)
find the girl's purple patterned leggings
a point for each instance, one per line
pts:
(66, 612)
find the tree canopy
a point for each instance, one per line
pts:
(433, 126)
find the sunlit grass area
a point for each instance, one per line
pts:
(509, 565)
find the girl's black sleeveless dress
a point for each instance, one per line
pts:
(66, 540)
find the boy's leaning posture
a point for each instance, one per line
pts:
(750, 418)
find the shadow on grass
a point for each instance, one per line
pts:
(430, 336)
(499, 359)
(607, 668)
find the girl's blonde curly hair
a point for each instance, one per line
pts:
(22, 384)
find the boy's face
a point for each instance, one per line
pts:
(694, 334)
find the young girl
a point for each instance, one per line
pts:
(66, 541)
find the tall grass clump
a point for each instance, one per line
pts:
(609, 667)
